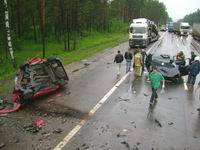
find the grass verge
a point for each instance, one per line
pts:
(88, 46)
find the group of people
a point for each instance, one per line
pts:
(138, 61)
(154, 76)
(138, 65)
(193, 67)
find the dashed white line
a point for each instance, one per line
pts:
(156, 44)
(73, 132)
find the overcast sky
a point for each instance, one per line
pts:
(177, 9)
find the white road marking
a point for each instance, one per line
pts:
(73, 132)
(156, 44)
(196, 43)
(178, 45)
(185, 84)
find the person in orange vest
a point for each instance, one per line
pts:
(137, 63)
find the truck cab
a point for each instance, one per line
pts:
(138, 35)
(184, 28)
(142, 32)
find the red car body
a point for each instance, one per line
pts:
(37, 77)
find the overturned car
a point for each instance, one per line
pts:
(167, 66)
(37, 77)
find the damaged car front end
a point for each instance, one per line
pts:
(35, 78)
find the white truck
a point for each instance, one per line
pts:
(141, 32)
(196, 31)
(170, 27)
(182, 28)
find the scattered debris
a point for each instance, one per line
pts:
(170, 98)
(138, 143)
(120, 135)
(39, 123)
(35, 126)
(108, 63)
(146, 94)
(58, 95)
(85, 146)
(57, 131)
(45, 134)
(75, 70)
(31, 128)
(158, 123)
(77, 148)
(194, 137)
(133, 122)
(126, 144)
(87, 64)
(123, 99)
(170, 123)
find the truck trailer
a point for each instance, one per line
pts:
(170, 27)
(196, 31)
(142, 32)
(182, 28)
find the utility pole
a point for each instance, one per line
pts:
(7, 26)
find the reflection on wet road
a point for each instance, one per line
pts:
(125, 121)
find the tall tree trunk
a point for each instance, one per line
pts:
(18, 19)
(63, 23)
(42, 20)
(34, 29)
(68, 31)
(10, 47)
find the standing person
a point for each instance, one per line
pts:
(192, 58)
(128, 56)
(137, 64)
(194, 70)
(144, 55)
(148, 62)
(180, 58)
(118, 60)
(155, 78)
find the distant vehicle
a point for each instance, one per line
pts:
(142, 32)
(163, 28)
(170, 27)
(167, 67)
(182, 28)
(196, 31)
(37, 77)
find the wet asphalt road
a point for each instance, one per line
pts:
(123, 122)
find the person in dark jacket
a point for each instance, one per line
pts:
(148, 62)
(144, 55)
(118, 60)
(192, 58)
(128, 56)
(194, 70)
